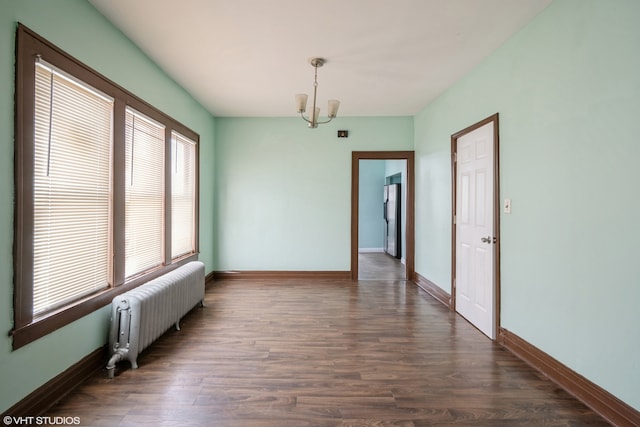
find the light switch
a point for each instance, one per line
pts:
(507, 206)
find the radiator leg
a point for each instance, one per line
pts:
(115, 358)
(178, 325)
(202, 303)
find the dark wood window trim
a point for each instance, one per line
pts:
(26, 329)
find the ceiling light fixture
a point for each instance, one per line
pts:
(301, 100)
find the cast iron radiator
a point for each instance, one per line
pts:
(140, 316)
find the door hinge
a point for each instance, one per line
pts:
(455, 157)
(454, 220)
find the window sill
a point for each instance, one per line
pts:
(52, 321)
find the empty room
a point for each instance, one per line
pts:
(251, 213)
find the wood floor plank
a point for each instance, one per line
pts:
(324, 353)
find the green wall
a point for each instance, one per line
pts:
(567, 88)
(370, 204)
(283, 191)
(76, 27)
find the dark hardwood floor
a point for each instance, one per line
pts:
(324, 353)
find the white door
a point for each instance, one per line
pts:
(475, 277)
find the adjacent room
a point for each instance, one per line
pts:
(392, 213)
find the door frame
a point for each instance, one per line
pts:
(496, 212)
(409, 156)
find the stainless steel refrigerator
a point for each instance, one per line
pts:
(392, 233)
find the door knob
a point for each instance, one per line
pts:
(486, 239)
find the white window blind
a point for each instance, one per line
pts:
(144, 193)
(72, 163)
(183, 195)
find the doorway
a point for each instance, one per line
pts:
(408, 244)
(475, 225)
(381, 219)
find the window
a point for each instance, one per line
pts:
(71, 189)
(106, 190)
(183, 195)
(144, 193)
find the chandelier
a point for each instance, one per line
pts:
(301, 100)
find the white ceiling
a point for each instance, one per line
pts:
(248, 58)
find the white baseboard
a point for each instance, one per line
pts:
(370, 250)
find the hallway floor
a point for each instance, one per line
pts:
(379, 266)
